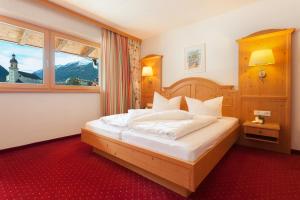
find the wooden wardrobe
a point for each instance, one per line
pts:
(274, 92)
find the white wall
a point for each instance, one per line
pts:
(28, 117)
(31, 12)
(220, 34)
(31, 117)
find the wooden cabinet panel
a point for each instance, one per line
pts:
(275, 82)
(274, 92)
(151, 84)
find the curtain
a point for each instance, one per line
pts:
(134, 48)
(116, 74)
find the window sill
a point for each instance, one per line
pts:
(79, 89)
(46, 89)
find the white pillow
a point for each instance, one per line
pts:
(212, 107)
(160, 103)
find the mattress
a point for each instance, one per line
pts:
(187, 148)
(101, 128)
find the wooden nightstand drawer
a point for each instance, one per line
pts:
(268, 132)
(263, 132)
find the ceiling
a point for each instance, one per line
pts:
(146, 18)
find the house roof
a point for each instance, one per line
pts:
(3, 71)
(28, 75)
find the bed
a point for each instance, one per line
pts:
(182, 165)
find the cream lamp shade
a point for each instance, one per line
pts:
(147, 71)
(262, 57)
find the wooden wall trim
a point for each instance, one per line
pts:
(266, 33)
(151, 56)
(69, 12)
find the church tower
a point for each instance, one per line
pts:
(13, 70)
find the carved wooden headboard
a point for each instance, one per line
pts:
(203, 89)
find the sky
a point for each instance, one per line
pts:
(30, 59)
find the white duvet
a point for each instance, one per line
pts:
(124, 119)
(171, 124)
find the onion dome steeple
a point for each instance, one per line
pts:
(13, 59)
(13, 62)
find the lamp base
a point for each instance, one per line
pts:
(262, 74)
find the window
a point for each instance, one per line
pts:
(76, 63)
(21, 55)
(20, 64)
(31, 60)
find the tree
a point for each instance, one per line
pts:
(73, 81)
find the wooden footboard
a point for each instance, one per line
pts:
(205, 163)
(179, 176)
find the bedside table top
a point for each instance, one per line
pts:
(272, 126)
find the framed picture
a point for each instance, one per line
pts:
(195, 59)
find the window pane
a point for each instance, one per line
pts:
(21, 55)
(75, 63)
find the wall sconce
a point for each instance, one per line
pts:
(262, 58)
(147, 72)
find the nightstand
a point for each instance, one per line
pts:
(267, 132)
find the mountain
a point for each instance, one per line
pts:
(39, 73)
(3, 74)
(81, 70)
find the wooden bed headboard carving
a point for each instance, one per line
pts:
(203, 89)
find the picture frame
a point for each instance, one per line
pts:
(194, 59)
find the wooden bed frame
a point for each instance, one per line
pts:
(177, 175)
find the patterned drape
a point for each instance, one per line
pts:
(116, 78)
(134, 48)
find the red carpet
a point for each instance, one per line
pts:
(67, 169)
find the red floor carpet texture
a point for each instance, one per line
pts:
(67, 169)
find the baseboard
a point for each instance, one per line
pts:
(295, 152)
(37, 143)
